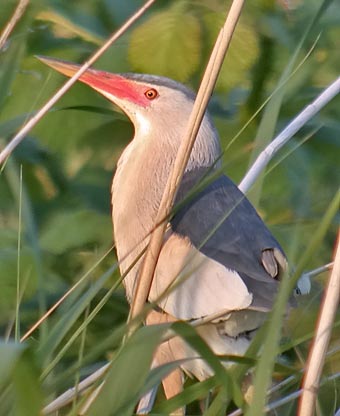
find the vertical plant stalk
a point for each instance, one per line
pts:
(17, 306)
(318, 350)
(18, 12)
(50, 103)
(207, 85)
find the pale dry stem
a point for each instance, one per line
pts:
(293, 127)
(18, 12)
(318, 350)
(208, 82)
(50, 103)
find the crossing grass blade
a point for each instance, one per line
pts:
(128, 374)
(264, 368)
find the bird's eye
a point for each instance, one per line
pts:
(151, 94)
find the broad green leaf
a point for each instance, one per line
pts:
(242, 52)
(119, 395)
(19, 373)
(10, 126)
(8, 275)
(268, 123)
(9, 354)
(8, 238)
(70, 23)
(27, 261)
(167, 43)
(72, 229)
(9, 63)
(69, 316)
(13, 51)
(26, 387)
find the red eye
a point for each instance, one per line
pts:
(151, 94)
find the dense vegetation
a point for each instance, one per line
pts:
(55, 225)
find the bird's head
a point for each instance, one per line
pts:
(158, 107)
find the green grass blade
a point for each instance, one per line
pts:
(9, 353)
(191, 393)
(218, 406)
(22, 198)
(27, 391)
(70, 316)
(128, 373)
(270, 349)
(189, 334)
(77, 332)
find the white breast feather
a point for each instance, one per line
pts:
(204, 286)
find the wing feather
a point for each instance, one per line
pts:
(194, 284)
(222, 225)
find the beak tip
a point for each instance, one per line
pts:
(44, 59)
(64, 67)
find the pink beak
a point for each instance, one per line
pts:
(110, 85)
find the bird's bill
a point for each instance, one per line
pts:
(66, 68)
(112, 86)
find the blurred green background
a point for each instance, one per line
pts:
(55, 190)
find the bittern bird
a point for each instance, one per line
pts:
(224, 260)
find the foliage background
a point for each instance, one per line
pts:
(55, 189)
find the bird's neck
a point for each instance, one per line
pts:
(136, 191)
(138, 186)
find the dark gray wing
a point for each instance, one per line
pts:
(221, 222)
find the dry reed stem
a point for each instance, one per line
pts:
(207, 85)
(69, 394)
(318, 350)
(50, 103)
(62, 298)
(18, 12)
(300, 120)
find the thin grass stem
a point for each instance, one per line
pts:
(64, 297)
(17, 303)
(18, 13)
(208, 82)
(318, 350)
(81, 355)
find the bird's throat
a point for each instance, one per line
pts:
(137, 189)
